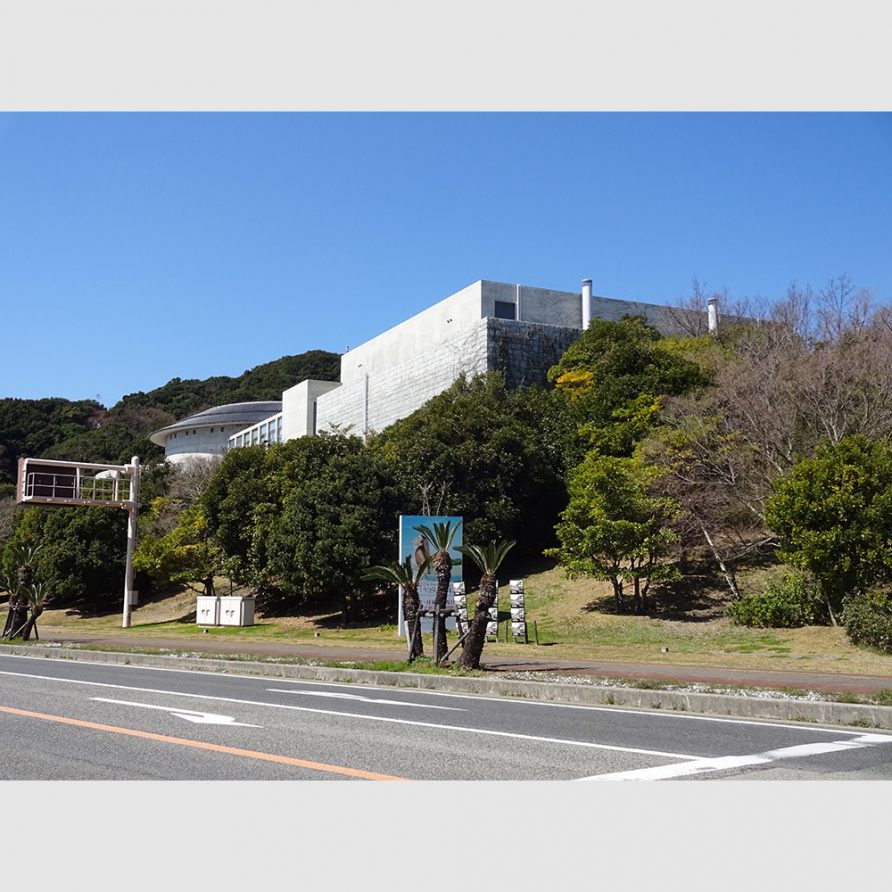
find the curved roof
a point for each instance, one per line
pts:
(242, 414)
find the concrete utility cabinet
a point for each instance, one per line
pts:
(236, 611)
(207, 611)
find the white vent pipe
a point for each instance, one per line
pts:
(586, 303)
(712, 315)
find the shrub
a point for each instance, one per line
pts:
(792, 601)
(868, 620)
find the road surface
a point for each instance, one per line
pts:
(67, 720)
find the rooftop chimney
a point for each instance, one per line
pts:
(586, 303)
(712, 315)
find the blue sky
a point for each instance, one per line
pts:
(138, 247)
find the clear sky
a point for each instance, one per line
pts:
(138, 247)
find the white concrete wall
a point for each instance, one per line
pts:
(544, 305)
(398, 389)
(204, 442)
(297, 406)
(613, 310)
(416, 336)
(564, 308)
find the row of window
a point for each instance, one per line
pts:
(186, 433)
(267, 431)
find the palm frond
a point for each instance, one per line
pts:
(401, 574)
(488, 557)
(24, 555)
(37, 594)
(440, 535)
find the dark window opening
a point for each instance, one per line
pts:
(505, 310)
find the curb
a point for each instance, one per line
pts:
(825, 712)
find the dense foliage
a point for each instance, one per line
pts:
(792, 601)
(868, 620)
(82, 553)
(833, 516)
(613, 377)
(180, 398)
(487, 454)
(303, 520)
(30, 427)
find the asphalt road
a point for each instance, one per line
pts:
(69, 721)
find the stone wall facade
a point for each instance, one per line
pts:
(525, 351)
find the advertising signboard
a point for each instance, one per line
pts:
(414, 546)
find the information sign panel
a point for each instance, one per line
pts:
(414, 545)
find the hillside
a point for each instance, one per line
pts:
(85, 430)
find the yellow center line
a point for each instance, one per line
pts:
(201, 745)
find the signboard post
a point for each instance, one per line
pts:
(414, 546)
(48, 482)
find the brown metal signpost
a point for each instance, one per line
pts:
(67, 483)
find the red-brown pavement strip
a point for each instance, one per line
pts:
(717, 676)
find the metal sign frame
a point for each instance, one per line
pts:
(44, 481)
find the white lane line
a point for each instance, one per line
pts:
(191, 715)
(371, 718)
(722, 763)
(643, 711)
(339, 696)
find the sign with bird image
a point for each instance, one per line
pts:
(418, 534)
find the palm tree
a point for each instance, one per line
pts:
(402, 575)
(37, 596)
(488, 559)
(23, 555)
(440, 536)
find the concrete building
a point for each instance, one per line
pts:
(208, 432)
(517, 329)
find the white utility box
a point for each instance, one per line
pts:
(207, 611)
(235, 611)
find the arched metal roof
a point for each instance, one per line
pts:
(241, 414)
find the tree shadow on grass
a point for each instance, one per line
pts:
(692, 599)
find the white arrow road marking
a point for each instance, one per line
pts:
(191, 715)
(367, 718)
(364, 699)
(722, 763)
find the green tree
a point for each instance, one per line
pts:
(241, 488)
(833, 516)
(82, 555)
(614, 529)
(612, 377)
(186, 554)
(490, 455)
(488, 559)
(338, 516)
(303, 518)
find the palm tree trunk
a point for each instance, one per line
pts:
(17, 617)
(473, 648)
(410, 613)
(31, 624)
(443, 568)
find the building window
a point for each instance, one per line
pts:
(505, 310)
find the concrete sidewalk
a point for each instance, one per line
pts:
(720, 677)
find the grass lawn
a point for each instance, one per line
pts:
(573, 622)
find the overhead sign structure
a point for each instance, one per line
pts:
(414, 546)
(44, 481)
